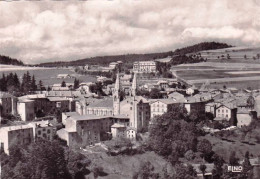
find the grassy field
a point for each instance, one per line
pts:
(123, 166)
(239, 74)
(224, 148)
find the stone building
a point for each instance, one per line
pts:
(14, 136)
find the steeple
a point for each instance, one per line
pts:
(134, 85)
(117, 84)
(116, 96)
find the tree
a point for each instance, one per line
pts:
(233, 160)
(203, 168)
(228, 56)
(205, 147)
(155, 93)
(251, 102)
(218, 163)
(33, 84)
(98, 171)
(43, 160)
(63, 84)
(40, 85)
(183, 172)
(76, 83)
(172, 128)
(247, 167)
(146, 170)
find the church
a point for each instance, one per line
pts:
(103, 117)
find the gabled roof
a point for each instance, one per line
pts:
(165, 101)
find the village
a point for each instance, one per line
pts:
(126, 109)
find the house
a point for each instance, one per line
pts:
(211, 108)
(145, 67)
(84, 130)
(161, 106)
(126, 79)
(66, 115)
(113, 65)
(226, 111)
(245, 117)
(52, 105)
(163, 84)
(25, 109)
(14, 136)
(118, 131)
(131, 133)
(102, 79)
(177, 97)
(63, 76)
(43, 130)
(7, 104)
(191, 90)
(85, 87)
(193, 103)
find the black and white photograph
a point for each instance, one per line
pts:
(130, 89)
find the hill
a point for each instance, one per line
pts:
(105, 60)
(200, 47)
(130, 58)
(10, 61)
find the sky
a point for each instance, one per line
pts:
(46, 31)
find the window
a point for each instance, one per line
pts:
(58, 104)
(39, 132)
(48, 131)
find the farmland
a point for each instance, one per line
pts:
(240, 70)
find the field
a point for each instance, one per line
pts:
(224, 148)
(123, 166)
(234, 72)
(47, 75)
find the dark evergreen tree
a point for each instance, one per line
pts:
(63, 84)
(33, 84)
(76, 83)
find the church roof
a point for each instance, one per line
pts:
(102, 103)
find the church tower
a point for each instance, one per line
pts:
(134, 85)
(116, 96)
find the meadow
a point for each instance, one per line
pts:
(234, 72)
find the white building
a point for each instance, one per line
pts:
(118, 130)
(15, 135)
(144, 66)
(25, 109)
(161, 106)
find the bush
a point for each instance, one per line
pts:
(189, 155)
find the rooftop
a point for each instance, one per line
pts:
(5, 95)
(102, 103)
(13, 128)
(94, 117)
(57, 99)
(117, 125)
